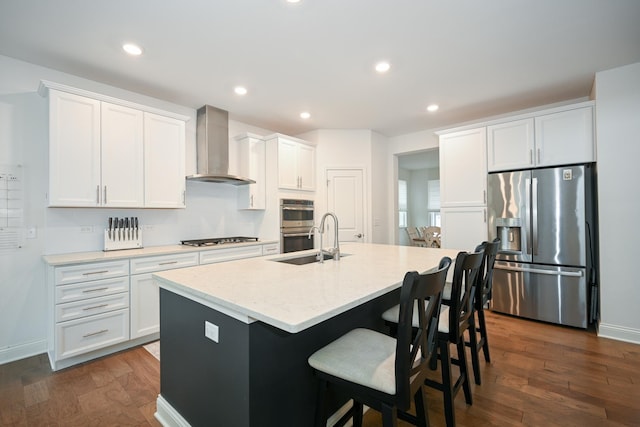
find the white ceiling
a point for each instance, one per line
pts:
(474, 58)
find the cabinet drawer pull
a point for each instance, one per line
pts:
(95, 290)
(168, 262)
(95, 272)
(95, 306)
(95, 333)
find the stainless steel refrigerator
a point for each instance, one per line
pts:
(545, 220)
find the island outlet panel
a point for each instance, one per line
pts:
(211, 331)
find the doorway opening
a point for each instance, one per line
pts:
(418, 194)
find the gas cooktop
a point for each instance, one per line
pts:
(218, 241)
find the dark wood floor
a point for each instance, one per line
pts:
(541, 375)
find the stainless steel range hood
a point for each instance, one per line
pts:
(212, 144)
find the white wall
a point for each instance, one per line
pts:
(358, 149)
(211, 208)
(617, 94)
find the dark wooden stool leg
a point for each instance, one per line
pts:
(447, 383)
(483, 335)
(321, 416)
(464, 372)
(473, 344)
(389, 416)
(357, 414)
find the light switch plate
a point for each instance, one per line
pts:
(211, 331)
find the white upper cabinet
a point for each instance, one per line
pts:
(510, 145)
(164, 162)
(112, 154)
(556, 138)
(565, 137)
(252, 165)
(463, 168)
(121, 156)
(74, 150)
(296, 165)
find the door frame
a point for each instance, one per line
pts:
(366, 209)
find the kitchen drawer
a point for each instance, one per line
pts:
(91, 306)
(92, 271)
(163, 262)
(91, 333)
(229, 254)
(96, 288)
(270, 249)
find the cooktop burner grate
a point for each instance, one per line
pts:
(218, 241)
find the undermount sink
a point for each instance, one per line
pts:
(306, 259)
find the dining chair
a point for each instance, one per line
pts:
(414, 237)
(431, 236)
(380, 371)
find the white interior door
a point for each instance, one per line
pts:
(345, 199)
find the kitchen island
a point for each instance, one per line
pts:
(235, 336)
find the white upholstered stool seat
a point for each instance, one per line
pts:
(361, 356)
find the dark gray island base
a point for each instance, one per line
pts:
(257, 374)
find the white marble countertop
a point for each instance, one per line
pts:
(296, 297)
(84, 257)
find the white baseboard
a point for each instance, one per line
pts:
(22, 351)
(620, 333)
(167, 416)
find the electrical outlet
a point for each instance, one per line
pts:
(86, 229)
(32, 233)
(211, 331)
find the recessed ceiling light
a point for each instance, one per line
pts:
(132, 49)
(433, 107)
(240, 90)
(293, 1)
(383, 67)
(305, 115)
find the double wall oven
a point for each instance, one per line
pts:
(296, 219)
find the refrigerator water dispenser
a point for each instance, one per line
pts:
(508, 229)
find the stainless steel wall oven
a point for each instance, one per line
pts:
(296, 219)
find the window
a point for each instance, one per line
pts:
(433, 188)
(402, 203)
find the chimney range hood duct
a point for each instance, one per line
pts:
(212, 144)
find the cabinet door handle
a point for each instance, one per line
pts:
(484, 196)
(95, 272)
(251, 201)
(531, 156)
(95, 306)
(86, 291)
(95, 333)
(105, 195)
(168, 262)
(97, 194)
(538, 156)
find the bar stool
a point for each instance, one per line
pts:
(453, 322)
(382, 372)
(482, 297)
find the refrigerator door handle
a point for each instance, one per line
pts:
(540, 271)
(527, 215)
(534, 214)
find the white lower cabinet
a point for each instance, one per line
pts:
(145, 305)
(83, 335)
(463, 228)
(97, 308)
(229, 254)
(145, 293)
(90, 304)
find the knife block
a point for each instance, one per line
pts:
(117, 242)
